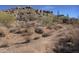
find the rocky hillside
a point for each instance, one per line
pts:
(37, 31)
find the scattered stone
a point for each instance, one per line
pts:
(36, 38)
(26, 41)
(12, 31)
(49, 27)
(66, 45)
(4, 46)
(45, 34)
(38, 30)
(2, 34)
(17, 31)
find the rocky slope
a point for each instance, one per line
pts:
(29, 35)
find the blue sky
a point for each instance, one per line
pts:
(72, 10)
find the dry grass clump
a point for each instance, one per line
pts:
(69, 44)
(47, 20)
(6, 19)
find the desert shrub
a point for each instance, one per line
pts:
(26, 15)
(47, 20)
(63, 19)
(67, 20)
(6, 19)
(55, 19)
(67, 45)
(33, 17)
(74, 21)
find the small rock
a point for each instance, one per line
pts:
(4, 46)
(12, 31)
(38, 30)
(2, 34)
(45, 34)
(18, 32)
(26, 41)
(36, 38)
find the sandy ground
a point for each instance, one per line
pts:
(33, 43)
